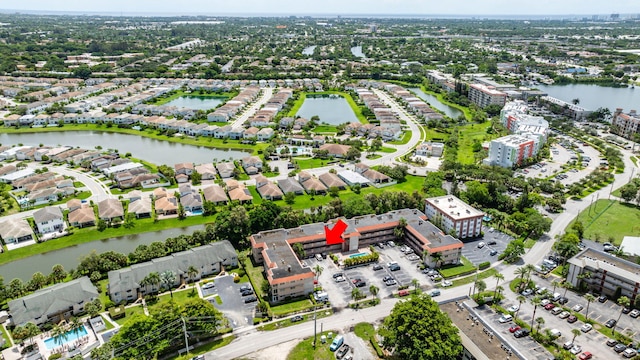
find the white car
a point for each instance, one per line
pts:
(577, 307)
(481, 245)
(505, 318)
(447, 283)
(513, 308)
(586, 328)
(544, 302)
(634, 313)
(576, 349)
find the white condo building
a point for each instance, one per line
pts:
(455, 215)
(483, 95)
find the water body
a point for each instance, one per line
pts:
(593, 97)
(331, 110)
(309, 50)
(151, 150)
(70, 257)
(435, 103)
(357, 52)
(197, 102)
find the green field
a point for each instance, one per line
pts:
(325, 129)
(467, 135)
(304, 350)
(607, 219)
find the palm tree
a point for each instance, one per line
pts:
(535, 301)
(373, 290)
(555, 284)
(32, 330)
(480, 285)
(566, 286)
(539, 321)
(521, 272)
(59, 333)
(520, 299)
(192, 272)
(75, 326)
(576, 333)
(624, 302)
(437, 257)
(356, 294)
(415, 284)
(168, 278)
(152, 279)
(589, 298)
(498, 276)
(530, 269)
(398, 232)
(318, 270)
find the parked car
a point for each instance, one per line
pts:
(564, 315)
(339, 279)
(549, 306)
(626, 310)
(563, 300)
(493, 252)
(619, 348)
(297, 318)
(513, 308)
(344, 349)
(585, 356)
(577, 308)
(434, 293)
(602, 298)
(337, 275)
(576, 349)
(481, 245)
(505, 318)
(390, 282)
(247, 292)
(629, 353)
(612, 342)
(514, 328)
(447, 283)
(318, 257)
(586, 328)
(492, 242)
(545, 302)
(245, 288)
(610, 323)
(634, 313)
(571, 319)
(527, 292)
(250, 299)
(377, 267)
(522, 333)
(568, 345)
(209, 285)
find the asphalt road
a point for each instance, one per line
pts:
(267, 92)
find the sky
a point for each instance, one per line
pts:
(346, 7)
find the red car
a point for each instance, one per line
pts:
(514, 328)
(549, 306)
(585, 356)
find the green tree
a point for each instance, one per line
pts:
(58, 274)
(374, 290)
(624, 302)
(499, 277)
(168, 278)
(539, 321)
(38, 281)
(417, 329)
(416, 285)
(196, 178)
(576, 333)
(589, 298)
(290, 198)
(318, 270)
(535, 301)
(153, 279)
(520, 299)
(513, 251)
(192, 272)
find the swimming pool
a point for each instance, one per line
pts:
(68, 337)
(358, 255)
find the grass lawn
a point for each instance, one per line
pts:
(304, 350)
(471, 278)
(255, 274)
(405, 139)
(364, 331)
(178, 296)
(107, 324)
(466, 267)
(310, 163)
(467, 135)
(325, 129)
(5, 335)
(92, 234)
(130, 311)
(200, 350)
(275, 325)
(257, 199)
(150, 133)
(528, 244)
(218, 299)
(615, 221)
(293, 306)
(387, 150)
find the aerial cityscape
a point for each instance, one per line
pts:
(357, 180)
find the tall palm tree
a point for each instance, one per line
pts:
(535, 301)
(373, 290)
(355, 294)
(75, 326)
(415, 284)
(576, 333)
(520, 299)
(521, 272)
(168, 278)
(624, 302)
(31, 330)
(152, 279)
(479, 285)
(318, 270)
(589, 298)
(192, 272)
(555, 284)
(498, 276)
(530, 269)
(437, 257)
(566, 286)
(539, 321)
(59, 333)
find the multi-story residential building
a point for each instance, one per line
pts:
(483, 95)
(454, 216)
(626, 125)
(512, 150)
(289, 278)
(604, 273)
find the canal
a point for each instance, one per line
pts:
(70, 257)
(155, 151)
(435, 103)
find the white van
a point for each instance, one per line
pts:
(555, 333)
(337, 342)
(505, 318)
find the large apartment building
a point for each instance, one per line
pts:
(483, 95)
(608, 273)
(626, 125)
(454, 215)
(289, 278)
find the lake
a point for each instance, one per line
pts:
(357, 52)
(70, 257)
(309, 50)
(197, 102)
(151, 150)
(436, 104)
(593, 97)
(331, 110)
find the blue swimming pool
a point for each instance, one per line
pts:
(68, 337)
(358, 255)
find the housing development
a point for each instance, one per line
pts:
(286, 187)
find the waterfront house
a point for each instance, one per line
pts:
(15, 231)
(206, 171)
(48, 219)
(191, 202)
(166, 205)
(110, 210)
(225, 169)
(184, 168)
(215, 194)
(140, 206)
(265, 134)
(332, 180)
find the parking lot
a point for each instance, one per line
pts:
(477, 255)
(340, 290)
(233, 306)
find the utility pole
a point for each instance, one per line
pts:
(186, 339)
(315, 327)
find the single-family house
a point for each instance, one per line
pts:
(110, 210)
(184, 168)
(336, 150)
(206, 171)
(372, 175)
(14, 231)
(252, 161)
(267, 189)
(191, 202)
(225, 169)
(141, 207)
(265, 134)
(215, 194)
(290, 185)
(166, 205)
(81, 216)
(332, 180)
(48, 219)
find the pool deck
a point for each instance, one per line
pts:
(82, 345)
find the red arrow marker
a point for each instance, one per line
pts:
(334, 236)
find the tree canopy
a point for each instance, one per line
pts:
(417, 329)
